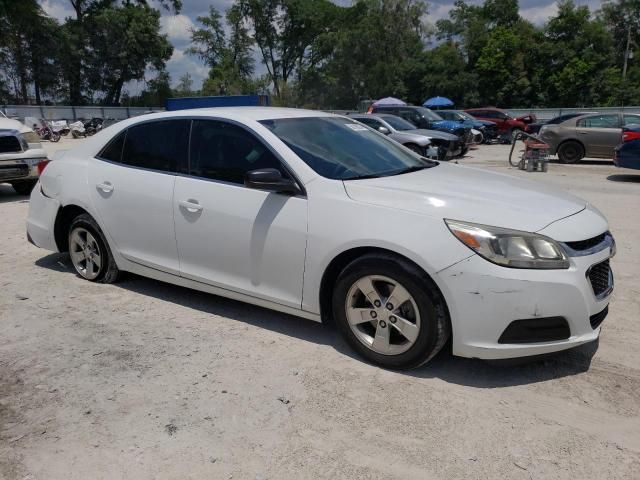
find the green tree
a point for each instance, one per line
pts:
(124, 41)
(229, 60)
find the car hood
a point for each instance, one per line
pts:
(447, 124)
(432, 134)
(469, 194)
(9, 124)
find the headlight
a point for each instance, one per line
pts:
(510, 248)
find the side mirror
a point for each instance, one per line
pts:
(270, 179)
(384, 130)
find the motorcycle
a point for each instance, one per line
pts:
(45, 132)
(60, 126)
(93, 126)
(77, 129)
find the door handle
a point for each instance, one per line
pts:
(191, 206)
(106, 187)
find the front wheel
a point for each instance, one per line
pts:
(390, 312)
(89, 252)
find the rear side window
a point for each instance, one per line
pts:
(113, 150)
(599, 121)
(161, 145)
(631, 120)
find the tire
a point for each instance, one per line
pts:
(377, 336)
(570, 152)
(24, 187)
(55, 137)
(104, 270)
(463, 152)
(415, 148)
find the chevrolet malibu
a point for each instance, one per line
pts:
(318, 216)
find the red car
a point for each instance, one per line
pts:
(505, 122)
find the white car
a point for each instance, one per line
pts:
(21, 155)
(316, 215)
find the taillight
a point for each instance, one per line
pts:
(42, 164)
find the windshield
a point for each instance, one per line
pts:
(341, 149)
(465, 116)
(429, 114)
(398, 123)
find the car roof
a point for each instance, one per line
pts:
(240, 113)
(484, 108)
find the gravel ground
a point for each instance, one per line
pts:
(146, 380)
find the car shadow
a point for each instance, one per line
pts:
(625, 178)
(461, 371)
(8, 194)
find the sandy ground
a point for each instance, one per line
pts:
(143, 380)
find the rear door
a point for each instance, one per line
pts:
(131, 183)
(599, 134)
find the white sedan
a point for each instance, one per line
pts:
(315, 215)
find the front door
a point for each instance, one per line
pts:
(131, 184)
(230, 236)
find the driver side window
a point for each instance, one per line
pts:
(223, 151)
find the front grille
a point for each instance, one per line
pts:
(588, 243)
(10, 143)
(600, 278)
(598, 318)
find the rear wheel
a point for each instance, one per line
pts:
(570, 152)
(390, 312)
(24, 187)
(55, 137)
(89, 252)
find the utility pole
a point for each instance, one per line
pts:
(626, 52)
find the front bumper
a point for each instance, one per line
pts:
(484, 299)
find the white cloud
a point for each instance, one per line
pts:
(57, 9)
(539, 15)
(177, 27)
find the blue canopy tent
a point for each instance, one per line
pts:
(438, 102)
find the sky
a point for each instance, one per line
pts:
(178, 28)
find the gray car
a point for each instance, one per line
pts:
(428, 143)
(592, 135)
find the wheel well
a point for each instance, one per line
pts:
(341, 261)
(63, 221)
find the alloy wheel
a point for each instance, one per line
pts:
(85, 253)
(382, 314)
